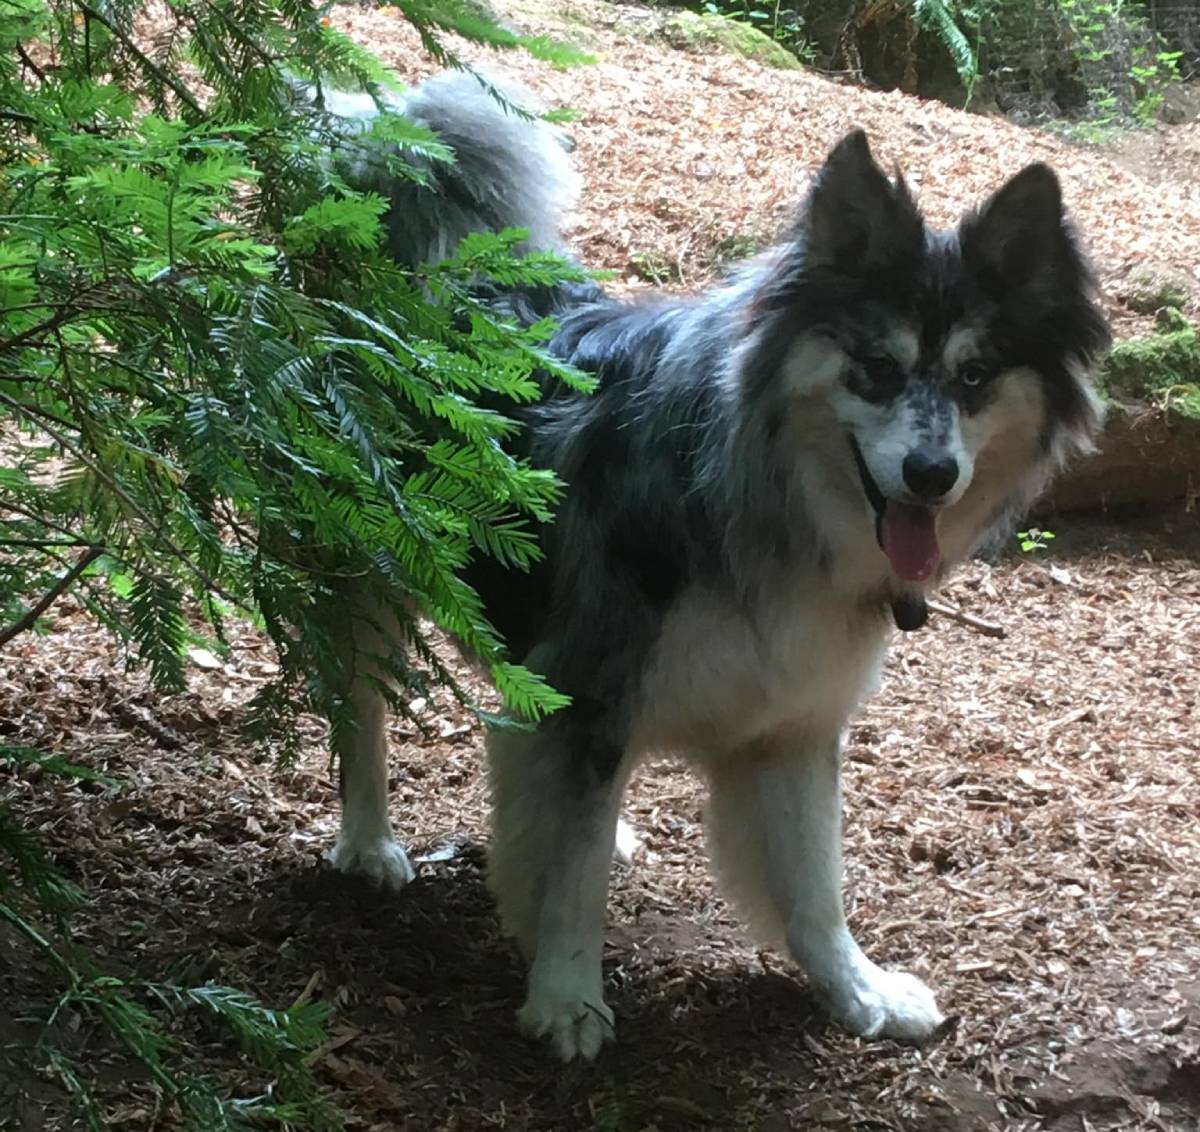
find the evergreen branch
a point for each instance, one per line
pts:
(43, 543)
(9, 915)
(181, 92)
(29, 619)
(181, 556)
(8, 504)
(47, 326)
(23, 55)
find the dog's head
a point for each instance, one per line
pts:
(954, 363)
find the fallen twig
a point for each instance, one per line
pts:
(987, 628)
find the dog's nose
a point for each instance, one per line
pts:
(928, 476)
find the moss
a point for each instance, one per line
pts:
(691, 31)
(1155, 286)
(1162, 367)
(655, 266)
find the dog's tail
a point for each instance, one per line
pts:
(508, 171)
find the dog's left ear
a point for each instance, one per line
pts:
(1019, 239)
(857, 221)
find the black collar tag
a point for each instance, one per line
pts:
(909, 613)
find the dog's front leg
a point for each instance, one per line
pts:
(776, 834)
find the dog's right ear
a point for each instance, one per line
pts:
(857, 221)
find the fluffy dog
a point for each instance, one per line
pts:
(770, 476)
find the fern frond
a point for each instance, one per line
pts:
(938, 17)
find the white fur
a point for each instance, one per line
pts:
(720, 676)
(753, 689)
(756, 700)
(366, 845)
(775, 832)
(553, 840)
(759, 706)
(888, 433)
(813, 365)
(628, 844)
(754, 693)
(904, 345)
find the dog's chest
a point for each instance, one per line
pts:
(721, 676)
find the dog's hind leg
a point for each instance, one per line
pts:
(628, 844)
(554, 826)
(775, 832)
(365, 844)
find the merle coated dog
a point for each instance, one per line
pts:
(770, 477)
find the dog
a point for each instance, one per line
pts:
(770, 477)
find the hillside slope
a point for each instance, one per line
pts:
(689, 158)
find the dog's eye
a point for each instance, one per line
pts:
(974, 374)
(883, 371)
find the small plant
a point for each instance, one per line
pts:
(1034, 539)
(656, 267)
(941, 18)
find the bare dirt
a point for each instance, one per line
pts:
(1022, 814)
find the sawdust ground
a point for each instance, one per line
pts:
(1021, 815)
(1021, 825)
(690, 160)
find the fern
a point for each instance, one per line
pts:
(156, 624)
(938, 17)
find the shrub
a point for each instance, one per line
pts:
(219, 396)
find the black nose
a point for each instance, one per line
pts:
(929, 477)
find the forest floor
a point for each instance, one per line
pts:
(1022, 815)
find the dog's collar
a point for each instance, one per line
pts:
(874, 496)
(909, 611)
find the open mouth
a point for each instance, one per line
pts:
(906, 532)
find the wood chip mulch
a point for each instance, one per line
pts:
(690, 159)
(1022, 814)
(1021, 830)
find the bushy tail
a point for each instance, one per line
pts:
(508, 171)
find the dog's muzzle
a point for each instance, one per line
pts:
(906, 533)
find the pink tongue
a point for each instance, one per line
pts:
(910, 541)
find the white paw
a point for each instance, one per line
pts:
(887, 1004)
(381, 860)
(576, 1026)
(628, 845)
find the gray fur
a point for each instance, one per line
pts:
(484, 189)
(714, 584)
